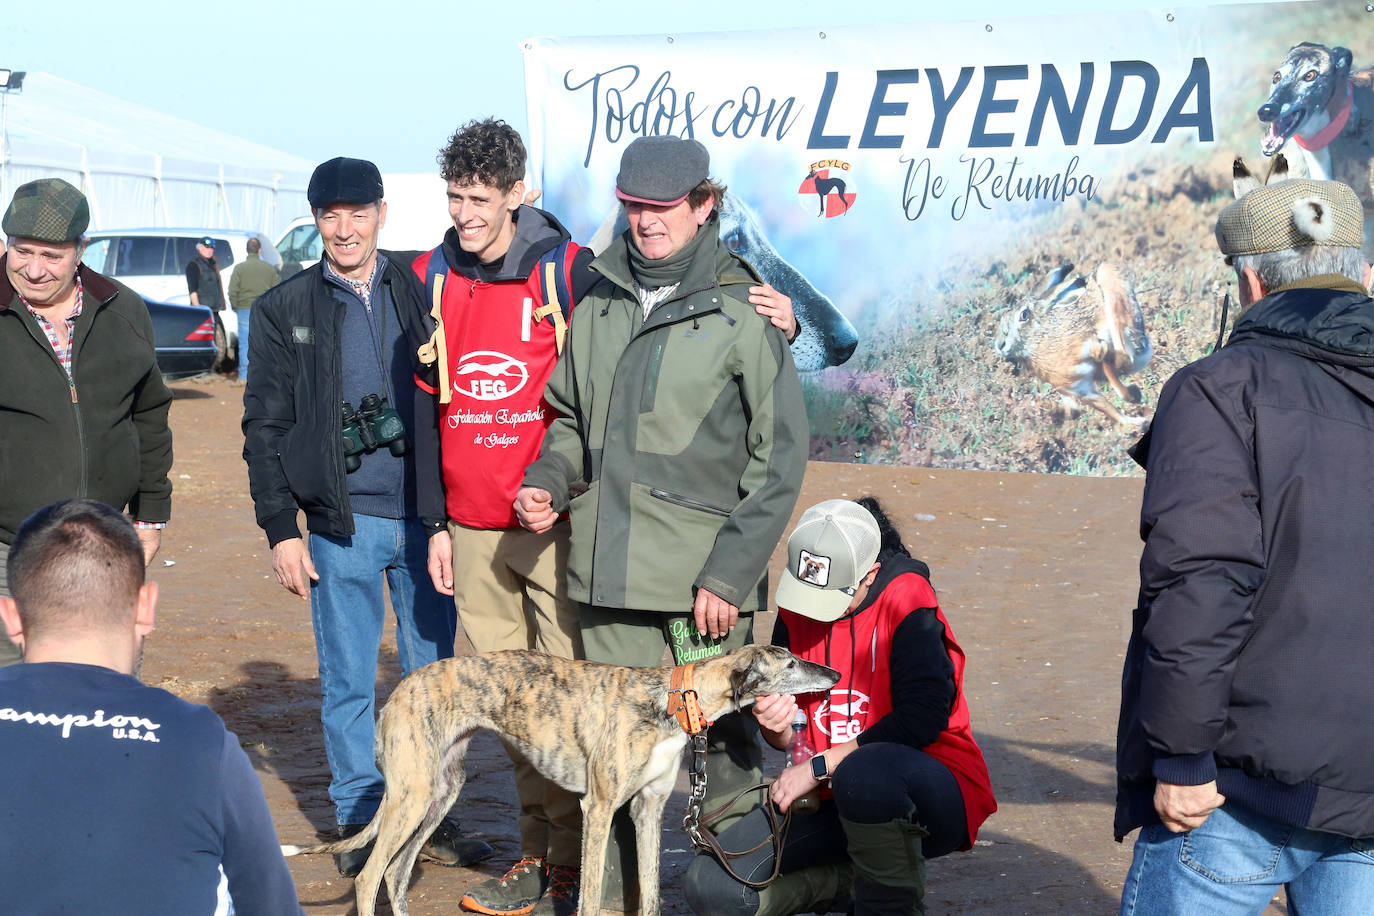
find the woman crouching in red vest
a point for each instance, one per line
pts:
(897, 777)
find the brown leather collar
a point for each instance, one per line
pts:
(688, 709)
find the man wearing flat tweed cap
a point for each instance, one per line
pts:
(1243, 743)
(83, 409)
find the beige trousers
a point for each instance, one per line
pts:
(510, 587)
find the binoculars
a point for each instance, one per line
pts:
(370, 427)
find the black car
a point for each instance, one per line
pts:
(184, 336)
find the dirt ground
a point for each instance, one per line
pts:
(1036, 574)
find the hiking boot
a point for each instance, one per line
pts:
(514, 893)
(561, 899)
(448, 846)
(352, 862)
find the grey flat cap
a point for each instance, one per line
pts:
(661, 170)
(48, 210)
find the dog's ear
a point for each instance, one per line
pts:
(1340, 63)
(1242, 180)
(746, 675)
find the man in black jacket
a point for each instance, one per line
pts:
(335, 426)
(83, 410)
(1244, 743)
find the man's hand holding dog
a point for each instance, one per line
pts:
(715, 616)
(441, 561)
(291, 562)
(534, 509)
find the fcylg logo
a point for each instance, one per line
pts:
(828, 188)
(844, 715)
(489, 376)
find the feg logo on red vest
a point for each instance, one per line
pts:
(488, 375)
(843, 715)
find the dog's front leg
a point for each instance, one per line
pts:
(646, 809)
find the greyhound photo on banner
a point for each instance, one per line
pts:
(996, 235)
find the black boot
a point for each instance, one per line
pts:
(352, 862)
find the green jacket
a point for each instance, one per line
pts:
(105, 436)
(695, 438)
(251, 279)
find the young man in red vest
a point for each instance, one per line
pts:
(503, 283)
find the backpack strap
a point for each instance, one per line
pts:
(557, 295)
(435, 350)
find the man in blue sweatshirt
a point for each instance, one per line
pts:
(150, 794)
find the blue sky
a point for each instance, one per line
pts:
(384, 81)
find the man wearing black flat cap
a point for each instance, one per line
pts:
(83, 409)
(682, 427)
(335, 427)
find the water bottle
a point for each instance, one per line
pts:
(799, 753)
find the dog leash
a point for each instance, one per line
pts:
(698, 823)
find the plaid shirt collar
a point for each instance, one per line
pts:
(361, 288)
(64, 353)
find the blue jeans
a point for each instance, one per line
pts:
(348, 610)
(1237, 861)
(243, 342)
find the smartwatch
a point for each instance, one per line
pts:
(818, 769)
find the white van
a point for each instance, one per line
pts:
(153, 262)
(299, 245)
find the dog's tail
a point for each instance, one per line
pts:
(357, 841)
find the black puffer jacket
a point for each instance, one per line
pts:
(291, 422)
(1249, 659)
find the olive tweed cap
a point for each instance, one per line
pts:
(48, 210)
(1291, 214)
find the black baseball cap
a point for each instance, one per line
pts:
(350, 181)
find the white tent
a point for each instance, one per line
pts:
(140, 167)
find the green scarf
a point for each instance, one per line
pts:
(655, 274)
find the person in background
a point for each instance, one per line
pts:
(83, 408)
(202, 277)
(121, 778)
(894, 776)
(250, 280)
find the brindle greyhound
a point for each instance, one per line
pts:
(615, 734)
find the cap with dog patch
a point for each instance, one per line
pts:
(828, 554)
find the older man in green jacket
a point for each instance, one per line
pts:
(679, 448)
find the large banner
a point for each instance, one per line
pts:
(997, 235)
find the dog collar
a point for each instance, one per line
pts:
(688, 709)
(1323, 137)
